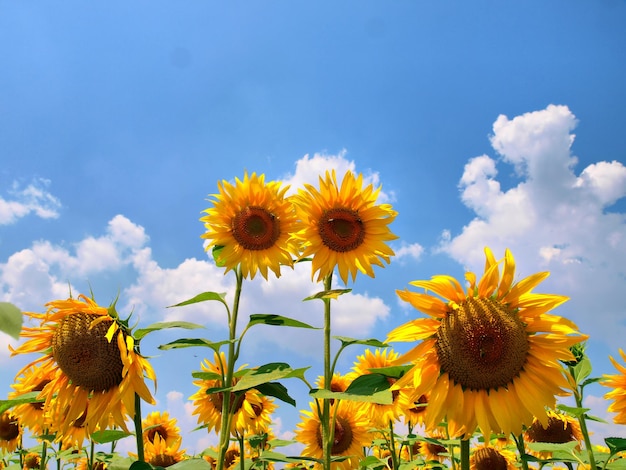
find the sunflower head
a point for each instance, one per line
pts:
(618, 395)
(250, 225)
(340, 225)
(10, 432)
(159, 424)
(490, 458)
(489, 355)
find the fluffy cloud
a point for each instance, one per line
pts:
(553, 219)
(34, 198)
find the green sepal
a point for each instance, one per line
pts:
(215, 252)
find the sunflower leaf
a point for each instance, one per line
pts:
(10, 319)
(193, 342)
(141, 332)
(140, 466)
(615, 444)
(109, 435)
(276, 320)
(268, 373)
(395, 372)
(30, 397)
(216, 252)
(276, 390)
(575, 411)
(381, 398)
(202, 298)
(345, 341)
(328, 294)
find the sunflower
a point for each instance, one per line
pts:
(32, 415)
(482, 359)
(251, 410)
(342, 226)
(32, 460)
(618, 383)
(10, 432)
(431, 449)
(560, 429)
(252, 222)
(159, 453)
(411, 406)
(351, 434)
(380, 415)
(160, 424)
(490, 458)
(95, 362)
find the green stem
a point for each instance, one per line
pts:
(327, 431)
(91, 452)
(521, 448)
(392, 445)
(138, 429)
(44, 447)
(578, 396)
(242, 460)
(465, 454)
(230, 370)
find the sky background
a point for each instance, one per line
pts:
(487, 123)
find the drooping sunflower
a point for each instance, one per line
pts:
(96, 365)
(489, 356)
(252, 222)
(618, 383)
(490, 458)
(380, 415)
(343, 227)
(160, 424)
(10, 432)
(351, 434)
(560, 429)
(251, 410)
(32, 415)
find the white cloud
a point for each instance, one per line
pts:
(406, 250)
(34, 198)
(553, 219)
(309, 169)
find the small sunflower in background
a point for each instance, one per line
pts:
(490, 458)
(380, 415)
(159, 453)
(351, 434)
(488, 357)
(10, 432)
(431, 449)
(559, 430)
(251, 410)
(96, 365)
(412, 407)
(160, 424)
(618, 395)
(251, 223)
(32, 460)
(340, 225)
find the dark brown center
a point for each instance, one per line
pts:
(342, 439)
(488, 458)
(255, 228)
(9, 427)
(341, 229)
(558, 431)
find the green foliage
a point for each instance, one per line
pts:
(30, 397)
(10, 319)
(276, 320)
(205, 296)
(142, 332)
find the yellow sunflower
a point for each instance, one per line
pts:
(351, 434)
(559, 430)
(432, 450)
(10, 432)
(32, 415)
(160, 424)
(252, 221)
(159, 453)
(490, 458)
(251, 410)
(380, 415)
(618, 383)
(412, 407)
(483, 358)
(342, 226)
(96, 365)
(32, 460)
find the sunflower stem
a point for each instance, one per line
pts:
(465, 454)
(138, 429)
(42, 462)
(92, 449)
(521, 448)
(327, 430)
(392, 445)
(578, 396)
(230, 370)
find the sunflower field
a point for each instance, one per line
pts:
(477, 388)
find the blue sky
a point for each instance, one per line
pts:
(117, 120)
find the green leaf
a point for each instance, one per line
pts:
(591, 381)
(141, 466)
(10, 319)
(372, 462)
(574, 411)
(141, 332)
(615, 444)
(109, 435)
(30, 397)
(276, 390)
(276, 320)
(202, 298)
(216, 252)
(567, 447)
(328, 294)
(383, 397)
(193, 342)
(202, 375)
(582, 370)
(191, 464)
(368, 384)
(267, 373)
(345, 341)
(394, 372)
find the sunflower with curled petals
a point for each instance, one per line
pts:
(342, 226)
(618, 395)
(96, 365)
(488, 357)
(351, 434)
(251, 222)
(251, 410)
